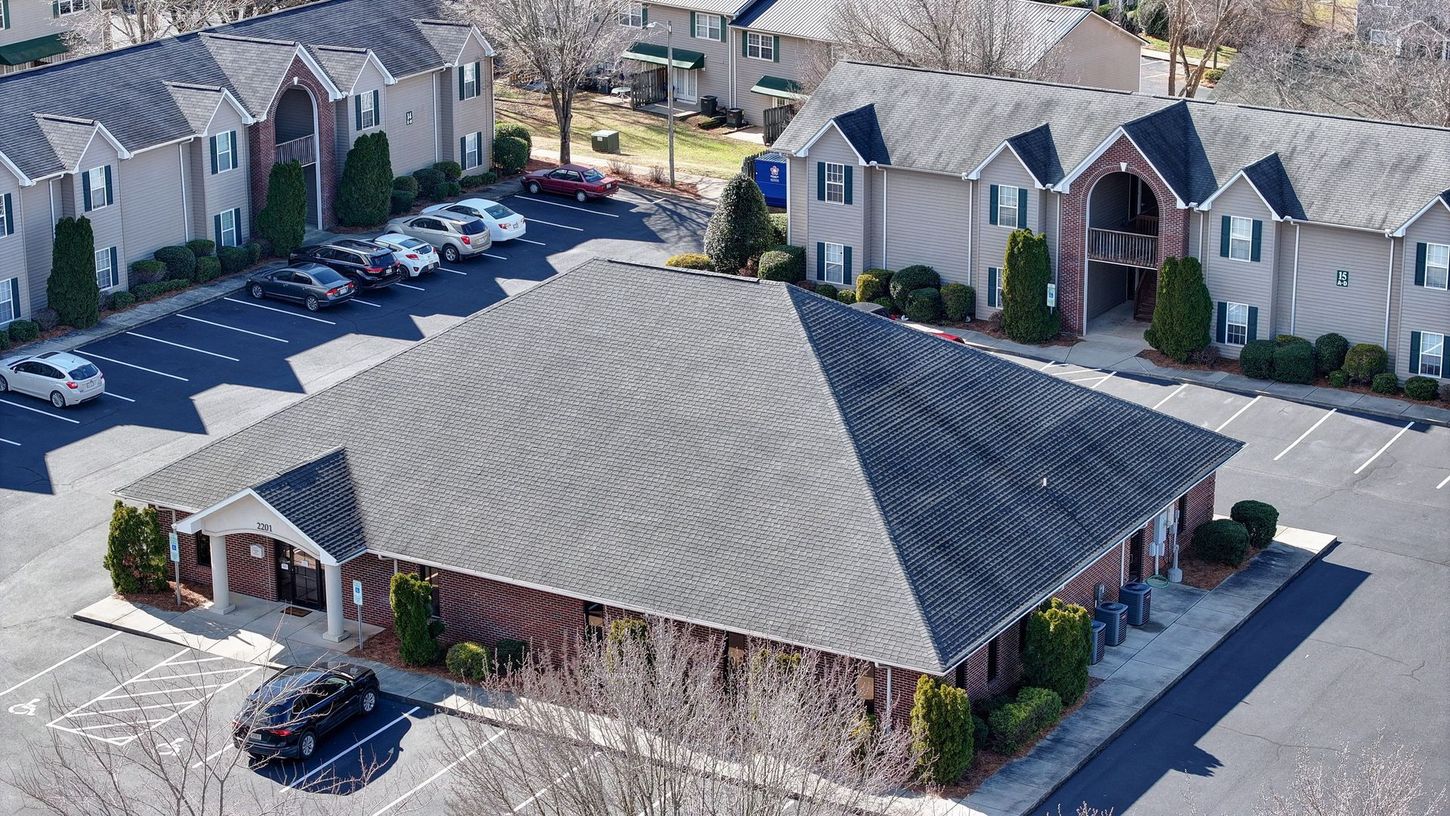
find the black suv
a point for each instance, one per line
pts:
(370, 265)
(294, 708)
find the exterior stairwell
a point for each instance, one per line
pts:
(1146, 297)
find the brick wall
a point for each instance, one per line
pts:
(1172, 226)
(262, 142)
(1198, 509)
(256, 577)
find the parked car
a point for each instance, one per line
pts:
(452, 234)
(59, 376)
(297, 706)
(503, 224)
(416, 255)
(313, 285)
(578, 180)
(367, 264)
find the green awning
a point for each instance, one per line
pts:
(31, 50)
(655, 53)
(775, 86)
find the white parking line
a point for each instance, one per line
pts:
(527, 241)
(1385, 448)
(1237, 413)
(303, 778)
(1170, 396)
(1332, 412)
(543, 790)
(279, 311)
(1103, 380)
(42, 413)
(1050, 364)
(9, 442)
(565, 206)
(133, 365)
(553, 224)
(454, 271)
(189, 674)
(231, 328)
(430, 780)
(495, 257)
(183, 346)
(407, 286)
(128, 695)
(43, 672)
(1443, 482)
(366, 303)
(117, 396)
(127, 708)
(214, 755)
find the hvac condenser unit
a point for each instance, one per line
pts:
(1115, 616)
(1099, 636)
(1138, 596)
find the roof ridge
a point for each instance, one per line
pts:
(69, 120)
(437, 21)
(192, 86)
(221, 35)
(353, 49)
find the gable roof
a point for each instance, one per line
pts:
(863, 489)
(344, 65)
(859, 127)
(1336, 164)
(320, 498)
(725, 7)
(450, 37)
(68, 137)
(1272, 181)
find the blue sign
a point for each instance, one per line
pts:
(175, 549)
(357, 592)
(770, 171)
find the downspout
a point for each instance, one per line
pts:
(885, 208)
(1389, 287)
(890, 702)
(1294, 292)
(437, 157)
(185, 210)
(1057, 250)
(972, 235)
(730, 63)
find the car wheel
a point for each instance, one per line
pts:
(57, 399)
(369, 701)
(450, 253)
(533, 188)
(257, 291)
(312, 304)
(581, 197)
(306, 745)
(4, 385)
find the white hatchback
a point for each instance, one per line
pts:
(61, 377)
(415, 254)
(503, 224)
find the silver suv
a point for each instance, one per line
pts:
(453, 235)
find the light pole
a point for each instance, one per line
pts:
(669, 88)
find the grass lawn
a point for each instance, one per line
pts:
(1225, 53)
(642, 136)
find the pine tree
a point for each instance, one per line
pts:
(941, 731)
(364, 194)
(1183, 313)
(1026, 271)
(283, 222)
(135, 551)
(1059, 649)
(739, 229)
(72, 290)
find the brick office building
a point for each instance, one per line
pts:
(753, 459)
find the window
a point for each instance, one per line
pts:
(1437, 265)
(472, 150)
(429, 574)
(866, 689)
(594, 621)
(1236, 329)
(760, 46)
(227, 224)
(9, 300)
(632, 14)
(203, 550)
(735, 646)
(64, 7)
(224, 152)
(467, 81)
(1241, 238)
(835, 183)
(1007, 196)
(97, 187)
(836, 263)
(107, 275)
(707, 27)
(994, 659)
(1432, 354)
(367, 110)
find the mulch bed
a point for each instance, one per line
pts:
(1207, 575)
(383, 647)
(1158, 358)
(191, 598)
(993, 329)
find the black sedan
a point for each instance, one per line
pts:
(312, 285)
(297, 706)
(368, 265)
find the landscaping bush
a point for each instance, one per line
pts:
(180, 262)
(941, 731)
(1183, 312)
(908, 280)
(1213, 75)
(1026, 317)
(71, 288)
(980, 731)
(452, 189)
(451, 170)
(1257, 359)
(514, 130)
(884, 302)
(208, 268)
(430, 183)
(407, 183)
(510, 154)
(148, 270)
(846, 296)
(201, 247)
(1363, 361)
(254, 252)
(477, 180)
(739, 229)
(509, 655)
(779, 231)
(364, 195)
(1385, 382)
(46, 318)
(1222, 541)
(283, 221)
(121, 300)
(623, 630)
(400, 202)
(826, 290)
(468, 660)
(689, 260)
(874, 284)
(1014, 725)
(710, 122)
(1421, 388)
(958, 301)
(147, 291)
(1261, 520)
(136, 554)
(23, 331)
(1445, 392)
(782, 263)
(4, 340)
(411, 598)
(1329, 351)
(924, 305)
(1058, 649)
(1294, 362)
(1339, 378)
(232, 259)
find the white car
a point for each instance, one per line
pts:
(503, 224)
(415, 254)
(61, 377)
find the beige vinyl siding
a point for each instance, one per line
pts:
(39, 209)
(369, 80)
(1233, 281)
(446, 99)
(1048, 218)
(153, 215)
(876, 248)
(228, 190)
(799, 191)
(1284, 233)
(926, 223)
(836, 223)
(791, 54)
(198, 164)
(1420, 308)
(410, 145)
(714, 78)
(12, 246)
(107, 224)
(1095, 53)
(992, 238)
(1356, 311)
(473, 115)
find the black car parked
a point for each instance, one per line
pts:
(369, 265)
(294, 708)
(313, 285)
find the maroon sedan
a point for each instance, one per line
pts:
(578, 180)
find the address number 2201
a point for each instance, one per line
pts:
(264, 527)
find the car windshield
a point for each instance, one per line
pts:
(381, 259)
(593, 176)
(473, 227)
(326, 276)
(84, 372)
(498, 212)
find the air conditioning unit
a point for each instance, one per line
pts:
(1139, 597)
(1115, 616)
(1099, 637)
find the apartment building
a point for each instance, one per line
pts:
(32, 32)
(1304, 223)
(171, 140)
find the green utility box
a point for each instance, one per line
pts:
(605, 141)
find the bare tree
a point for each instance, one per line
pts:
(1380, 780)
(666, 723)
(107, 24)
(1207, 25)
(557, 43)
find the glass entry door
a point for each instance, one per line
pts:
(299, 578)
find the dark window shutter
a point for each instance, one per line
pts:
(820, 181)
(820, 260)
(237, 224)
(1022, 207)
(9, 215)
(848, 169)
(745, 43)
(1415, 353)
(774, 48)
(463, 151)
(1225, 228)
(109, 197)
(846, 262)
(5, 13)
(723, 30)
(1253, 323)
(232, 140)
(643, 15)
(212, 140)
(377, 107)
(692, 24)
(1420, 249)
(357, 112)
(216, 223)
(992, 206)
(86, 190)
(115, 268)
(1258, 240)
(55, 8)
(1220, 332)
(15, 293)
(992, 287)
(460, 82)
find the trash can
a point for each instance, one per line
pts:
(1138, 596)
(1099, 640)
(709, 105)
(1115, 616)
(605, 141)
(734, 117)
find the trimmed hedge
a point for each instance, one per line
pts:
(121, 300)
(4, 340)
(71, 289)
(147, 291)
(1059, 649)
(1222, 541)
(884, 302)
(208, 268)
(873, 284)
(23, 331)
(283, 221)
(468, 660)
(364, 193)
(1421, 388)
(908, 280)
(180, 262)
(941, 731)
(400, 201)
(1338, 379)
(739, 229)
(509, 655)
(452, 189)
(923, 305)
(233, 259)
(778, 228)
(689, 260)
(1363, 361)
(1261, 520)
(411, 599)
(406, 183)
(1257, 359)
(510, 154)
(1026, 272)
(846, 296)
(1014, 725)
(826, 290)
(46, 318)
(201, 247)
(1294, 362)
(782, 263)
(514, 130)
(1183, 312)
(451, 170)
(254, 251)
(430, 183)
(958, 301)
(148, 270)
(477, 180)
(1385, 382)
(1329, 351)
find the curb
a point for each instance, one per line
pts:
(1102, 746)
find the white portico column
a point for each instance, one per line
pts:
(332, 578)
(221, 597)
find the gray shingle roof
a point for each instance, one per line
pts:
(753, 457)
(861, 130)
(1038, 152)
(447, 38)
(68, 137)
(1272, 182)
(253, 67)
(320, 498)
(198, 103)
(343, 65)
(1352, 172)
